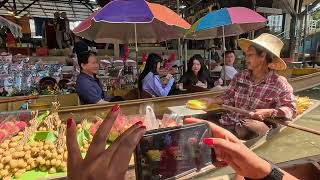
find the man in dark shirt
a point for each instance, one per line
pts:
(88, 86)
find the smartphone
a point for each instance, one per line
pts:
(174, 152)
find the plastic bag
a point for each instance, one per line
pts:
(150, 121)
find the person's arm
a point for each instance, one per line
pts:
(285, 106)
(229, 150)
(159, 90)
(89, 94)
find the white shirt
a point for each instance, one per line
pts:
(230, 72)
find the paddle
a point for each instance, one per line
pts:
(278, 121)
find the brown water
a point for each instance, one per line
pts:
(290, 143)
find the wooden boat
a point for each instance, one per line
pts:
(252, 144)
(307, 168)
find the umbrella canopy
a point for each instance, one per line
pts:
(234, 21)
(14, 28)
(129, 21)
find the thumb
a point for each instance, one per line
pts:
(226, 146)
(74, 155)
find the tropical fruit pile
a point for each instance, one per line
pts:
(302, 103)
(40, 144)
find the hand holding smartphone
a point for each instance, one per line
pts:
(171, 153)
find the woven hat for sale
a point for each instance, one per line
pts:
(271, 44)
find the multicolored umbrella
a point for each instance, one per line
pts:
(132, 21)
(226, 22)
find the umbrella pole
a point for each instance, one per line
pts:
(136, 41)
(186, 55)
(224, 56)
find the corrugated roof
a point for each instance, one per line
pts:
(75, 9)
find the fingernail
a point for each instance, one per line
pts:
(139, 123)
(69, 122)
(208, 141)
(115, 108)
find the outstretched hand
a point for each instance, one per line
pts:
(101, 163)
(229, 150)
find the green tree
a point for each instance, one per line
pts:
(316, 15)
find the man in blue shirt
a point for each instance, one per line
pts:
(88, 86)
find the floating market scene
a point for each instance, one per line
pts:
(159, 89)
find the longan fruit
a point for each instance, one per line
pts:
(53, 162)
(21, 163)
(7, 167)
(6, 159)
(51, 146)
(59, 157)
(43, 168)
(4, 146)
(26, 147)
(58, 162)
(4, 173)
(13, 163)
(48, 163)
(19, 148)
(33, 165)
(1, 166)
(1, 150)
(27, 155)
(46, 147)
(28, 167)
(54, 154)
(13, 144)
(12, 150)
(42, 162)
(6, 153)
(18, 174)
(60, 150)
(52, 170)
(16, 138)
(7, 178)
(20, 133)
(30, 160)
(65, 155)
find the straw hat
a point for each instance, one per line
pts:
(270, 43)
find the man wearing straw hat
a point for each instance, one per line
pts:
(258, 89)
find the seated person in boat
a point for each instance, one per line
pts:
(88, 86)
(149, 79)
(228, 71)
(258, 89)
(197, 74)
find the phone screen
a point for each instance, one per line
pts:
(172, 152)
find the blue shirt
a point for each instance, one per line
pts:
(89, 89)
(152, 84)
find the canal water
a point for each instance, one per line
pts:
(290, 143)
